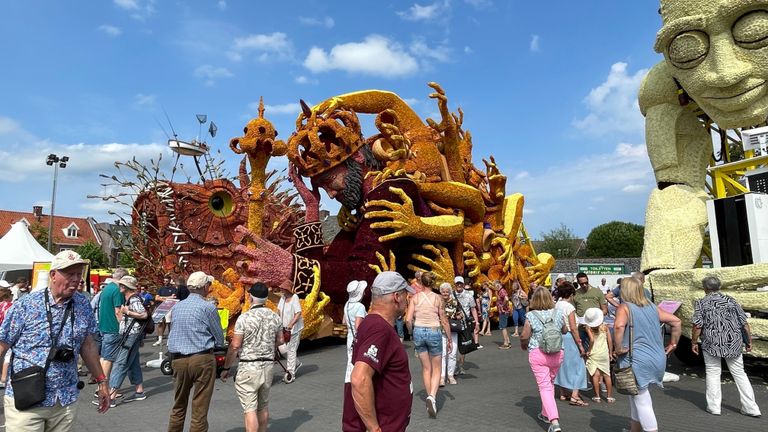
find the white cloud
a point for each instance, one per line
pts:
(301, 79)
(420, 49)
(139, 10)
(326, 22)
(479, 3)
(110, 30)
(521, 175)
(283, 109)
(274, 46)
(613, 107)
(634, 188)
(418, 12)
(221, 4)
(142, 100)
(376, 55)
(468, 50)
(211, 73)
(535, 47)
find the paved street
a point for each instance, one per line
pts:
(497, 393)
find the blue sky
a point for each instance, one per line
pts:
(548, 88)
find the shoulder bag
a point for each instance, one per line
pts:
(624, 378)
(466, 334)
(29, 383)
(286, 332)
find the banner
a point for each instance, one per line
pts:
(603, 269)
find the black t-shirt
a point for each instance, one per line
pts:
(166, 291)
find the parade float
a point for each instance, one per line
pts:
(701, 104)
(411, 199)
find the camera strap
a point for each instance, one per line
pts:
(67, 314)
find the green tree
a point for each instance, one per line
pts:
(615, 240)
(125, 259)
(40, 233)
(559, 242)
(92, 251)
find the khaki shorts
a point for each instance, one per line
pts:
(35, 419)
(252, 385)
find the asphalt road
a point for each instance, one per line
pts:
(497, 393)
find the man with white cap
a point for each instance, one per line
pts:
(47, 329)
(257, 333)
(379, 395)
(354, 312)
(196, 330)
(469, 307)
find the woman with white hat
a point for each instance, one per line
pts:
(354, 312)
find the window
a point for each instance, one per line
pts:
(72, 231)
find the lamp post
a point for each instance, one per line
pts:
(57, 162)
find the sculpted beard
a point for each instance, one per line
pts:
(353, 190)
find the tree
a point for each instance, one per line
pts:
(125, 259)
(559, 242)
(615, 240)
(92, 251)
(40, 233)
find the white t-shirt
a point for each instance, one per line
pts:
(351, 311)
(604, 288)
(286, 312)
(565, 307)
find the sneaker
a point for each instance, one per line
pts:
(117, 395)
(136, 397)
(461, 371)
(431, 407)
(158, 342)
(452, 381)
(298, 366)
(713, 412)
(442, 382)
(554, 427)
(112, 403)
(757, 415)
(505, 346)
(480, 347)
(542, 418)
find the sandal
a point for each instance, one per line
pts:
(597, 399)
(578, 402)
(563, 398)
(610, 400)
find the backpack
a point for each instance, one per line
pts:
(551, 337)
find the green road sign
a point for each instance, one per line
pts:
(603, 269)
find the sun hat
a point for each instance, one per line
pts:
(458, 279)
(198, 279)
(389, 282)
(560, 276)
(129, 282)
(67, 258)
(286, 285)
(356, 290)
(593, 317)
(4, 284)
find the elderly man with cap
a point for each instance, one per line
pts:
(196, 330)
(354, 312)
(48, 329)
(468, 306)
(257, 333)
(379, 395)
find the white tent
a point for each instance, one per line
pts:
(18, 249)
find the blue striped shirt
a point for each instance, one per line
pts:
(195, 326)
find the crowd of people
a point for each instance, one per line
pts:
(574, 334)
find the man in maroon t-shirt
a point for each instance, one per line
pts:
(379, 395)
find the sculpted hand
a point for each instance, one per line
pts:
(383, 264)
(265, 261)
(347, 220)
(496, 180)
(441, 264)
(311, 198)
(471, 261)
(401, 218)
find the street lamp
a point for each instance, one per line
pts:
(57, 163)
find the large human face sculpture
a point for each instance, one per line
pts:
(718, 52)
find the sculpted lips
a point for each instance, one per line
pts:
(738, 99)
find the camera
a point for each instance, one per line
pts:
(64, 354)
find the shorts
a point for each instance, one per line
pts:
(252, 386)
(167, 317)
(503, 318)
(428, 339)
(110, 342)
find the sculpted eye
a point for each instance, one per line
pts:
(751, 30)
(688, 49)
(221, 204)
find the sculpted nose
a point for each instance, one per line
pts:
(726, 67)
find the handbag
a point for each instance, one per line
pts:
(466, 333)
(29, 383)
(624, 378)
(286, 332)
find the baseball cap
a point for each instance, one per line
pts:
(129, 282)
(458, 279)
(67, 258)
(4, 284)
(560, 276)
(389, 282)
(259, 290)
(198, 279)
